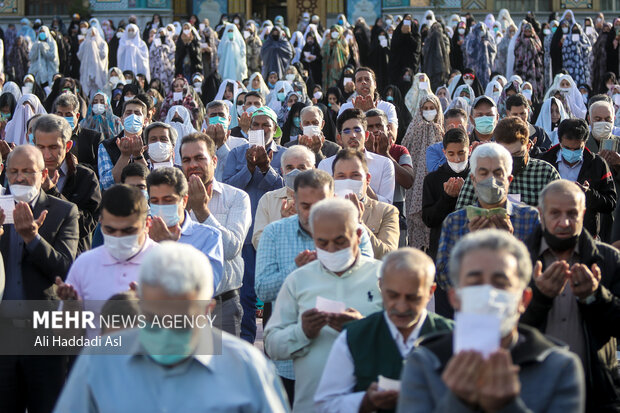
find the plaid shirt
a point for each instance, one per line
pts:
(105, 166)
(524, 219)
(529, 183)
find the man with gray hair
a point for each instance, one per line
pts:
(67, 179)
(161, 139)
(316, 300)
(376, 345)
(215, 370)
(85, 141)
(216, 126)
(312, 122)
(527, 372)
(576, 284)
(490, 174)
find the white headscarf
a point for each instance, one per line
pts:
(272, 98)
(95, 23)
(183, 129)
(93, 55)
(133, 54)
(430, 22)
(12, 88)
(489, 90)
(231, 54)
(415, 94)
(504, 18)
(222, 90)
(544, 118)
(510, 58)
(15, 130)
(44, 59)
(573, 96)
(263, 89)
(452, 84)
(312, 28)
(298, 42)
(489, 21)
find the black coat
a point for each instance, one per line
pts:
(86, 146)
(601, 197)
(195, 56)
(82, 189)
(601, 320)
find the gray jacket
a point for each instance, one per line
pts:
(552, 379)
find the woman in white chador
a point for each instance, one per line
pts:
(44, 57)
(231, 53)
(133, 54)
(93, 55)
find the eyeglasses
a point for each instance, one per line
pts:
(27, 175)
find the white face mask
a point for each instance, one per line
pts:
(290, 77)
(160, 151)
(589, 30)
(469, 82)
(122, 248)
(616, 99)
(27, 88)
(423, 86)
(131, 34)
(98, 108)
(318, 95)
(83, 30)
(187, 32)
(115, 80)
(239, 109)
(336, 261)
(485, 299)
(461, 31)
(246, 34)
(343, 187)
(169, 213)
(198, 86)
(429, 115)
(458, 167)
(564, 30)
(24, 193)
(602, 130)
(127, 98)
(547, 32)
(335, 34)
(527, 93)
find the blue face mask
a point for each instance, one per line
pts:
(218, 120)
(31, 138)
(154, 100)
(297, 122)
(133, 123)
(71, 121)
(281, 96)
(341, 22)
(390, 98)
(166, 346)
(271, 85)
(572, 156)
(42, 36)
(169, 213)
(485, 124)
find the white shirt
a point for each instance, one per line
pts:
(231, 214)
(382, 175)
(387, 107)
(334, 393)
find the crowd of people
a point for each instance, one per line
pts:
(354, 195)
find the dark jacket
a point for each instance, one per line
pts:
(436, 204)
(54, 253)
(86, 146)
(195, 56)
(543, 142)
(82, 189)
(601, 320)
(601, 197)
(328, 149)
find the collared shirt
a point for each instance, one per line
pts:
(239, 379)
(524, 219)
(207, 239)
(382, 175)
(96, 276)
(335, 390)
(230, 213)
(435, 157)
(402, 157)
(62, 176)
(529, 183)
(357, 288)
(237, 174)
(269, 210)
(570, 172)
(564, 320)
(105, 166)
(387, 107)
(280, 244)
(222, 154)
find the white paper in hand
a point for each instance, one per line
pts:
(312, 130)
(407, 23)
(347, 80)
(329, 306)
(157, 42)
(7, 203)
(386, 384)
(478, 332)
(176, 96)
(256, 137)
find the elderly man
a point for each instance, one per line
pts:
(588, 170)
(116, 152)
(367, 99)
(40, 245)
(527, 372)
(85, 141)
(491, 164)
(65, 179)
(322, 148)
(225, 208)
(576, 284)
(377, 344)
(529, 175)
(279, 203)
(352, 134)
(341, 275)
(254, 169)
(218, 119)
(168, 195)
(161, 139)
(351, 180)
(240, 378)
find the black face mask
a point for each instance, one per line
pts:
(518, 165)
(560, 244)
(163, 38)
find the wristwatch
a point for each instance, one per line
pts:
(589, 299)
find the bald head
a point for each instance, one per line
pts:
(562, 187)
(25, 166)
(410, 263)
(26, 151)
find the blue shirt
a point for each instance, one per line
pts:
(208, 240)
(435, 157)
(524, 219)
(237, 174)
(240, 379)
(105, 166)
(280, 243)
(567, 171)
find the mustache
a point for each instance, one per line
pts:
(396, 313)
